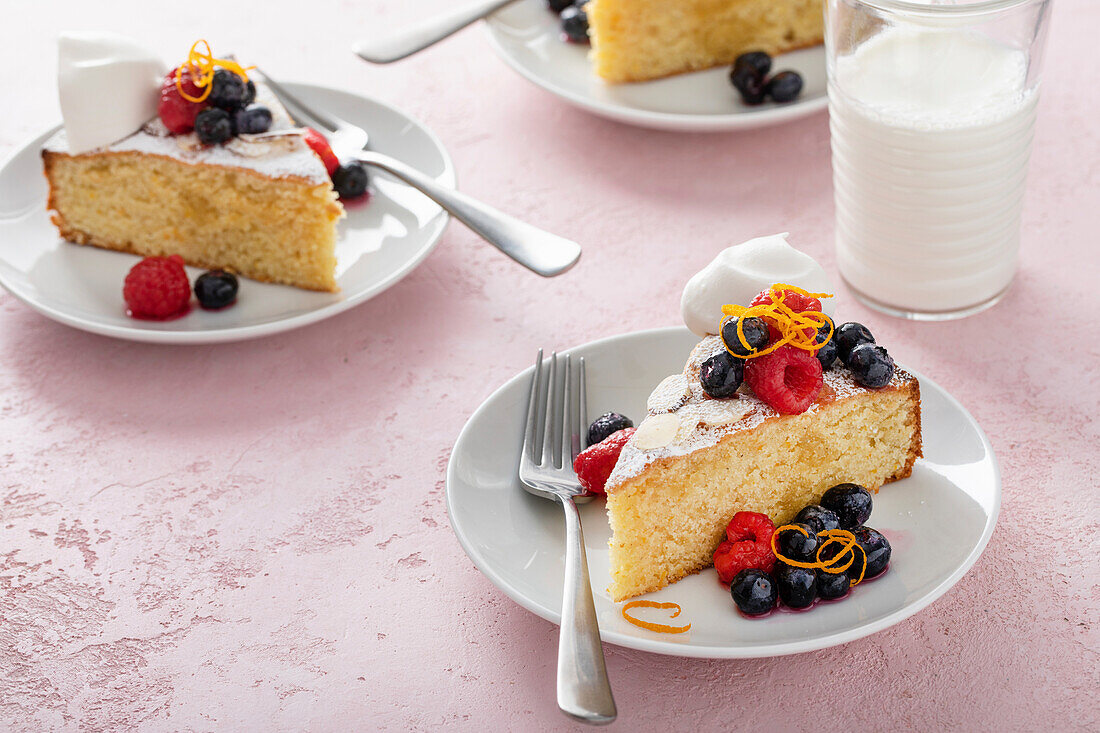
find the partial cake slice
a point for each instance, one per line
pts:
(260, 205)
(695, 461)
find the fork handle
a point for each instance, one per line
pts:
(384, 49)
(584, 691)
(540, 251)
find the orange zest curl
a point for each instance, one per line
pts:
(200, 67)
(659, 628)
(794, 327)
(846, 539)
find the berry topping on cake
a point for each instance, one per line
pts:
(797, 586)
(350, 180)
(252, 120)
(744, 336)
(747, 546)
(230, 91)
(216, 289)
(606, 425)
(157, 287)
(784, 86)
(788, 380)
(871, 366)
(176, 112)
(851, 503)
(826, 352)
(721, 375)
(595, 463)
(850, 335)
(795, 299)
(754, 591)
(213, 126)
(320, 145)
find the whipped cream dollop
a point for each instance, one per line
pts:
(738, 273)
(108, 86)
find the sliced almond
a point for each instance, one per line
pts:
(670, 395)
(656, 431)
(710, 414)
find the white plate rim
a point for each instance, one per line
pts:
(679, 122)
(242, 333)
(725, 652)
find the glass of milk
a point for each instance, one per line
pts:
(932, 109)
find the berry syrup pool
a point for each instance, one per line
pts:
(931, 132)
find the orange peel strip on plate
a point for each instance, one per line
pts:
(659, 628)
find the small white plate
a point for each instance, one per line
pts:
(528, 37)
(380, 242)
(938, 520)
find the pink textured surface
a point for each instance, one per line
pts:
(252, 536)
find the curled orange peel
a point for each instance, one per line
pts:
(832, 566)
(201, 66)
(659, 628)
(794, 327)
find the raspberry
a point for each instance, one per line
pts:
(748, 546)
(788, 379)
(157, 287)
(594, 463)
(320, 146)
(178, 114)
(795, 301)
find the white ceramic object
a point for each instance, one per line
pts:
(380, 242)
(528, 37)
(938, 520)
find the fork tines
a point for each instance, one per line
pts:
(556, 412)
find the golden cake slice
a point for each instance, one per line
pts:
(636, 40)
(261, 205)
(696, 461)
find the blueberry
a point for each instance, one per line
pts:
(754, 592)
(605, 425)
(721, 375)
(818, 518)
(797, 586)
(216, 288)
(851, 502)
(796, 545)
(749, 83)
(758, 61)
(831, 586)
(784, 86)
(871, 366)
(756, 334)
(229, 91)
(827, 353)
(877, 548)
(350, 180)
(558, 5)
(253, 120)
(574, 23)
(850, 335)
(213, 126)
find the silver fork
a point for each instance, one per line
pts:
(557, 405)
(542, 252)
(391, 46)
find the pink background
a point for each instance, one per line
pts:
(252, 536)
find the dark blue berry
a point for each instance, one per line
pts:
(851, 502)
(850, 335)
(798, 545)
(350, 180)
(831, 586)
(574, 23)
(818, 518)
(878, 552)
(213, 126)
(759, 61)
(826, 336)
(229, 91)
(784, 86)
(216, 288)
(721, 375)
(253, 120)
(558, 5)
(605, 425)
(749, 83)
(755, 330)
(754, 592)
(871, 366)
(797, 586)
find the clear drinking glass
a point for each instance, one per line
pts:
(932, 108)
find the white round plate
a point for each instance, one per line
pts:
(379, 242)
(938, 520)
(528, 37)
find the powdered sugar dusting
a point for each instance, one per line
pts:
(276, 156)
(702, 418)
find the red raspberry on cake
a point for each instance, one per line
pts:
(157, 287)
(747, 546)
(797, 302)
(595, 463)
(788, 379)
(320, 146)
(177, 113)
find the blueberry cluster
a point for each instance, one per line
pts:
(574, 20)
(231, 111)
(845, 506)
(853, 344)
(721, 374)
(749, 76)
